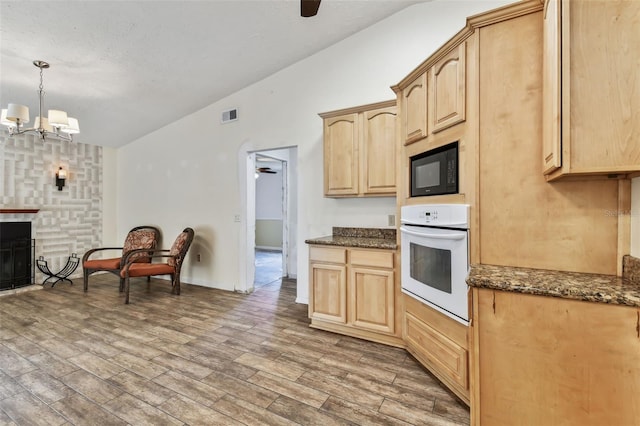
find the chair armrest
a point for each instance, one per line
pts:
(90, 252)
(149, 252)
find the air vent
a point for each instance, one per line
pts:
(230, 115)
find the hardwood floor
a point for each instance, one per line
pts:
(205, 357)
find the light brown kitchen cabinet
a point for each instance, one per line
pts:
(591, 108)
(551, 136)
(448, 90)
(328, 293)
(414, 110)
(436, 98)
(360, 151)
(548, 361)
(372, 290)
(353, 292)
(379, 151)
(438, 342)
(341, 144)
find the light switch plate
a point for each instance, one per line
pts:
(391, 219)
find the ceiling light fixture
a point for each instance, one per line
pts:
(57, 125)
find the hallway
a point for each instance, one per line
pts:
(268, 265)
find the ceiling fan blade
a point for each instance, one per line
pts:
(309, 8)
(265, 170)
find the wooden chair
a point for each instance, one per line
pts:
(174, 258)
(140, 237)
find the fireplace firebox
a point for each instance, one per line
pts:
(16, 255)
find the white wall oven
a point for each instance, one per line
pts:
(435, 256)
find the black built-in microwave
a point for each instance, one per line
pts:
(435, 172)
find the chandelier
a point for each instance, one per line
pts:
(57, 125)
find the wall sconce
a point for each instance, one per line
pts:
(61, 175)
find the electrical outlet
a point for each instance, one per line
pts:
(236, 218)
(198, 257)
(391, 220)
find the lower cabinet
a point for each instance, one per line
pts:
(550, 361)
(439, 343)
(353, 291)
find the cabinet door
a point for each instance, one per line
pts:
(601, 85)
(551, 147)
(328, 298)
(414, 111)
(379, 151)
(341, 138)
(555, 361)
(372, 301)
(449, 358)
(591, 82)
(449, 89)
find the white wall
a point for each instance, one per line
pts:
(269, 209)
(269, 195)
(186, 174)
(110, 236)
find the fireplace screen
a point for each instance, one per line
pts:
(16, 255)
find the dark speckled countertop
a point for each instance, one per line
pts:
(568, 285)
(376, 238)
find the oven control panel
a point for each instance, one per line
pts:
(442, 215)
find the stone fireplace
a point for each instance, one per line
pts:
(16, 255)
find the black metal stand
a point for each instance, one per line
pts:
(69, 268)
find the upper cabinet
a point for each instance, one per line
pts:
(433, 97)
(379, 151)
(448, 89)
(414, 111)
(360, 151)
(551, 150)
(341, 144)
(591, 85)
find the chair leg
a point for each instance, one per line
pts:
(173, 283)
(121, 287)
(126, 291)
(177, 283)
(86, 280)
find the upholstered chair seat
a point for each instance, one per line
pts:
(103, 264)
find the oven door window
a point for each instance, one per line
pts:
(431, 266)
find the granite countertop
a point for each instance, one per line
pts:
(376, 238)
(569, 285)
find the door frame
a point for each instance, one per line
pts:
(247, 219)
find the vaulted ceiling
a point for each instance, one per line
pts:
(126, 68)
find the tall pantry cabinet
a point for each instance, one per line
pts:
(490, 89)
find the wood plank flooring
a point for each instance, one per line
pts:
(206, 357)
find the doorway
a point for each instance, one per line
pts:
(271, 210)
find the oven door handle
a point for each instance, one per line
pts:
(435, 236)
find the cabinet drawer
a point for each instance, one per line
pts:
(324, 254)
(448, 357)
(377, 259)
